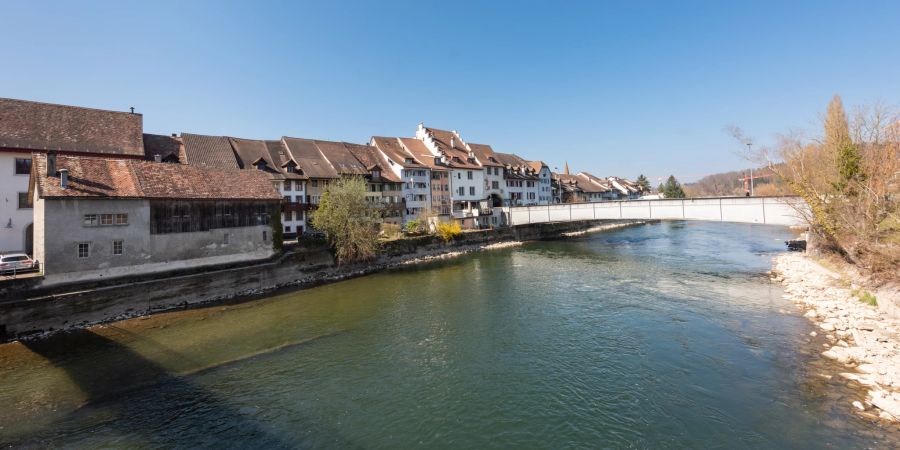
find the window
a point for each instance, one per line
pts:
(287, 198)
(471, 190)
(287, 229)
(495, 185)
(458, 176)
(84, 249)
(91, 220)
(287, 185)
(106, 219)
(117, 247)
(462, 190)
(23, 166)
(376, 174)
(24, 201)
(121, 219)
(315, 183)
(469, 174)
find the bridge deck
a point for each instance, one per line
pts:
(764, 210)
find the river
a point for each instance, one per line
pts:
(662, 335)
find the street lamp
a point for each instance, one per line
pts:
(749, 153)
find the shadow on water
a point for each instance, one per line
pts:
(159, 407)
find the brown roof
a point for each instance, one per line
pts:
(485, 155)
(213, 152)
(282, 157)
(457, 155)
(590, 183)
(311, 161)
(419, 151)
(372, 158)
(517, 167)
(163, 145)
(537, 165)
(396, 151)
(340, 158)
(106, 177)
(45, 126)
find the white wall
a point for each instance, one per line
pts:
(12, 238)
(459, 178)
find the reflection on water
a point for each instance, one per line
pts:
(667, 335)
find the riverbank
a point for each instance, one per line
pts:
(862, 331)
(37, 313)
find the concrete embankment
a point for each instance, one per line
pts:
(28, 309)
(862, 336)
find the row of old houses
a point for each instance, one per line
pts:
(89, 194)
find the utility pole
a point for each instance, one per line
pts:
(750, 153)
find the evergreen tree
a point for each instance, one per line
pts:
(643, 183)
(839, 144)
(672, 188)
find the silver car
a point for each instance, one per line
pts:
(16, 263)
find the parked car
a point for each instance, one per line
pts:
(16, 263)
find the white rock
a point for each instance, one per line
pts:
(827, 326)
(858, 405)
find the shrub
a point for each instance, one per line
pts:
(390, 230)
(347, 220)
(448, 230)
(868, 298)
(414, 227)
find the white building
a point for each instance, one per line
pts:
(415, 176)
(16, 216)
(467, 178)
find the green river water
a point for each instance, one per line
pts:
(667, 335)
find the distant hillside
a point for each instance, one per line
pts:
(729, 183)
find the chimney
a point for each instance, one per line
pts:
(175, 135)
(64, 178)
(51, 164)
(157, 157)
(132, 109)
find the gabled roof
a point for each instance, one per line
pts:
(517, 167)
(167, 147)
(251, 153)
(592, 184)
(109, 177)
(372, 159)
(457, 155)
(338, 154)
(44, 126)
(310, 159)
(397, 152)
(282, 157)
(420, 152)
(538, 165)
(485, 155)
(213, 152)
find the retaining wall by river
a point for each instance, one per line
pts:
(26, 308)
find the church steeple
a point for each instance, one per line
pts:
(567, 168)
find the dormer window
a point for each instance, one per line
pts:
(376, 173)
(291, 169)
(409, 161)
(261, 165)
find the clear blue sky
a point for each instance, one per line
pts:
(614, 89)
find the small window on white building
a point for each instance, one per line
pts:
(23, 166)
(24, 201)
(91, 220)
(469, 174)
(287, 185)
(471, 190)
(118, 247)
(121, 219)
(106, 219)
(84, 249)
(287, 229)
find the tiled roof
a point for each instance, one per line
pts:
(310, 159)
(213, 152)
(282, 157)
(44, 126)
(457, 156)
(517, 167)
(419, 151)
(485, 155)
(394, 150)
(590, 183)
(371, 158)
(537, 165)
(162, 145)
(107, 177)
(340, 158)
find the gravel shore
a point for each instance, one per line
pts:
(863, 337)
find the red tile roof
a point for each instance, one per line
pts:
(338, 154)
(397, 152)
(209, 151)
(44, 126)
(485, 155)
(419, 151)
(311, 161)
(457, 155)
(105, 177)
(162, 145)
(372, 158)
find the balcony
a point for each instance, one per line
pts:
(297, 206)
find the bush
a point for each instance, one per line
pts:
(415, 227)
(390, 230)
(348, 222)
(448, 230)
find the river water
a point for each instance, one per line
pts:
(663, 335)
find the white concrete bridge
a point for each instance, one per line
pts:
(763, 210)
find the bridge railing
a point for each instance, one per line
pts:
(764, 210)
